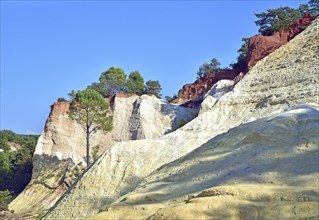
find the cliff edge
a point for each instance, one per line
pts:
(60, 152)
(258, 47)
(263, 109)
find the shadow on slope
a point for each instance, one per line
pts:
(279, 150)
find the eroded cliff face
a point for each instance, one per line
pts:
(258, 47)
(286, 78)
(60, 152)
(146, 117)
(62, 137)
(193, 93)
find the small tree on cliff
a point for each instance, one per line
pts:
(110, 82)
(113, 81)
(314, 7)
(206, 68)
(90, 110)
(135, 83)
(153, 87)
(274, 20)
(242, 53)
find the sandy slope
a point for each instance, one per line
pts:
(267, 168)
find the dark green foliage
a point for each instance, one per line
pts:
(110, 82)
(4, 198)
(100, 88)
(206, 68)
(72, 94)
(5, 165)
(135, 83)
(60, 99)
(153, 88)
(242, 53)
(214, 65)
(202, 70)
(16, 166)
(313, 7)
(274, 20)
(304, 8)
(244, 47)
(90, 110)
(113, 81)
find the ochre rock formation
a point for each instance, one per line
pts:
(259, 47)
(246, 141)
(242, 173)
(59, 155)
(126, 165)
(196, 91)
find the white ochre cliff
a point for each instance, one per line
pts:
(262, 169)
(59, 156)
(253, 154)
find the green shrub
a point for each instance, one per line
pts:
(60, 99)
(16, 166)
(4, 199)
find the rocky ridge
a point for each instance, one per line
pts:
(275, 84)
(258, 47)
(59, 154)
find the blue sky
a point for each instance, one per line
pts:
(49, 48)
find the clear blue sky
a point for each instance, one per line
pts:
(51, 47)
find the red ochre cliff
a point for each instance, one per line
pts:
(261, 46)
(258, 47)
(193, 94)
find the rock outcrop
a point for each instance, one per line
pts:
(59, 154)
(283, 80)
(259, 47)
(215, 93)
(195, 92)
(265, 168)
(146, 117)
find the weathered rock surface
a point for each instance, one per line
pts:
(258, 48)
(146, 117)
(267, 168)
(62, 137)
(196, 91)
(286, 78)
(59, 154)
(215, 93)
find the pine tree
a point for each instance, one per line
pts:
(153, 88)
(90, 110)
(135, 83)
